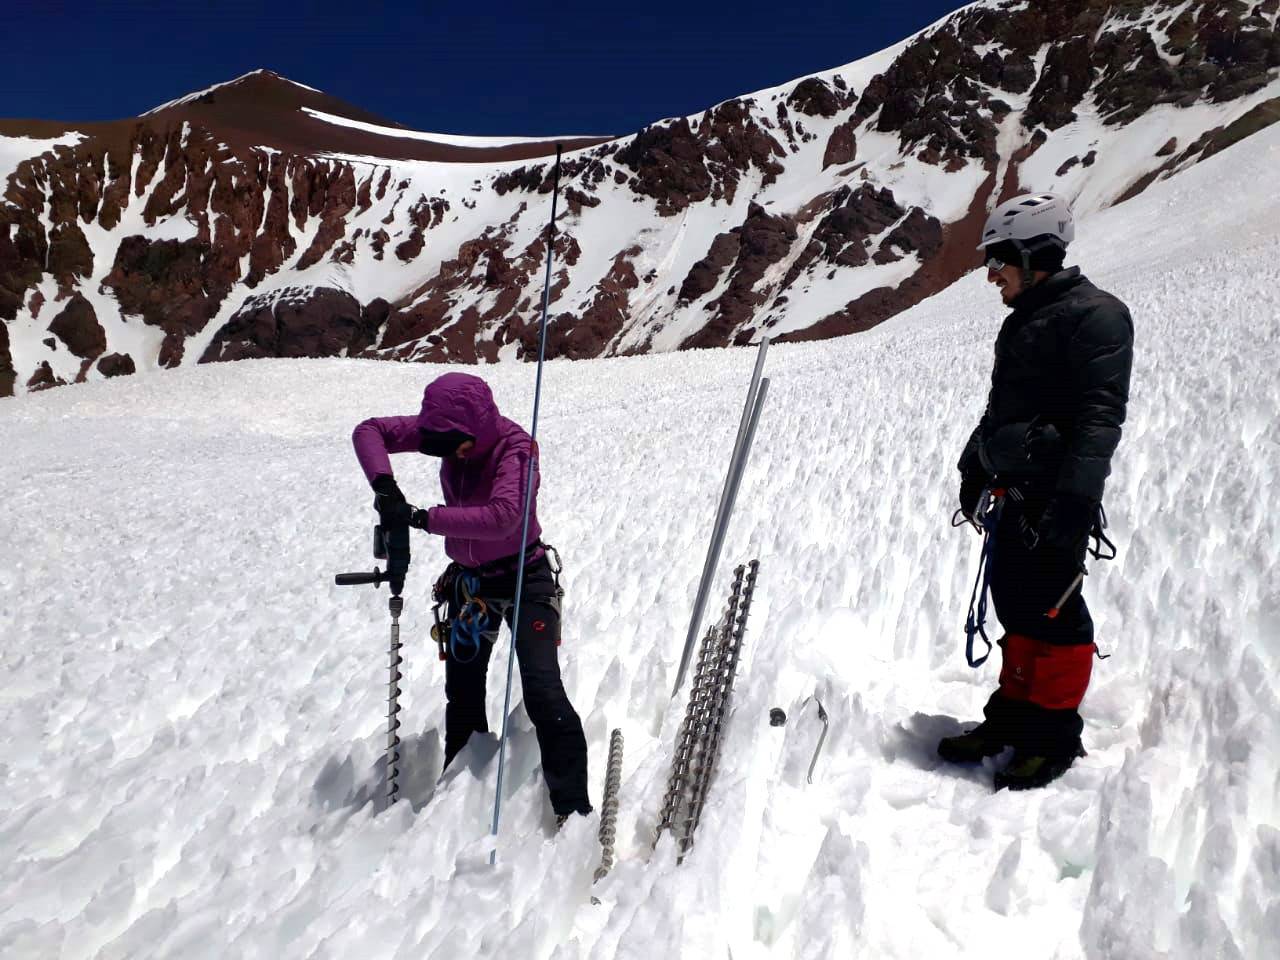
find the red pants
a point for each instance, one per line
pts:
(1049, 675)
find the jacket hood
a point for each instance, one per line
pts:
(460, 401)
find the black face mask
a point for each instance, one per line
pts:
(441, 443)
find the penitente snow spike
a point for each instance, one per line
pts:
(528, 502)
(609, 806)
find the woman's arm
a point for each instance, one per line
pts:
(377, 437)
(502, 516)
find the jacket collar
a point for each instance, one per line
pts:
(1047, 290)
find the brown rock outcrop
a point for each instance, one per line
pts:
(814, 98)
(23, 252)
(169, 283)
(69, 253)
(8, 375)
(116, 365)
(424, 214)
(77, 326)
(295, 322)
(668, 165)
(841, 145)
(763, 240)
(705, 274)
(44, 378)
(1064, 80)
(844, 234)
(579, 336)
(273, 243)
(333, 192)
(678, 166)
(927, 98)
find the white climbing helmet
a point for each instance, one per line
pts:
(1027, 216)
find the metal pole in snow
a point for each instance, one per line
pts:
(737, 463)
(528, 502)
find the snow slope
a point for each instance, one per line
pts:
(455, 139)
(191, 714)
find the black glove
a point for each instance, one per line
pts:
(393, 510)
(1067, 521)
(971, 487)
(419, 519)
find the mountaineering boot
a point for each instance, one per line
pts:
(981, 741)
(1028, 770)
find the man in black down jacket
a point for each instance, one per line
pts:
(1059, 388)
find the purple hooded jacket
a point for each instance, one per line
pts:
(483, 494)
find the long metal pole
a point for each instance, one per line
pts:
(723, 510)
(751, 416)
(528, 502)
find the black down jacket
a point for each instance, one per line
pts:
(1059, 389)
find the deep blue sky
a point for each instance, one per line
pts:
(485, 66)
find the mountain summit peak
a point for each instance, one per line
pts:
(264, 89)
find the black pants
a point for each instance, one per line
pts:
(559, 731)
(1026, 581)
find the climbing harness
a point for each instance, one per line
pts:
(463, 617)
(986, 518)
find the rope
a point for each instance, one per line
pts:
(472, 620)
(990, 506)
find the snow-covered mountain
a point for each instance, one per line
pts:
(262, 218)
(191, 715)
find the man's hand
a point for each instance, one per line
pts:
(971, 487)
(1067, 521)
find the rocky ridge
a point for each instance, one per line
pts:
(262, 218)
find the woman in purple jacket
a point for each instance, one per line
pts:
(483, 469)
